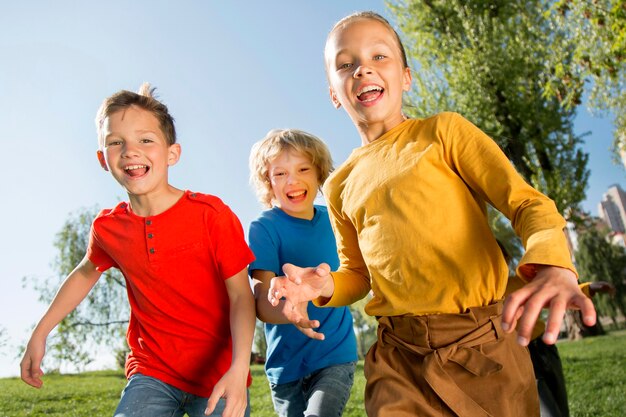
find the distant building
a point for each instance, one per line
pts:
(612, 209)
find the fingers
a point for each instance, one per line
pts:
(306, 327)
(309, 332)
(528, 315)
(554, 321)
(213, 400)
(308, 324)
(292, 272)
(323, 269)
(234, 408)
(31, 372)
(275, 292)
(587, 310)
(512, 311)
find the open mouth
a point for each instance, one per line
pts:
(136, 170)
(369, 93)
(297, 195)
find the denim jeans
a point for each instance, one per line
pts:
(145, 396)
(324, 393)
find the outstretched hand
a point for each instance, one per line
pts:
(298, 287)
(552, 287)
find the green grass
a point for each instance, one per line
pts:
(595, 375)
(595, 371)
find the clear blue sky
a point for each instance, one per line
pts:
(229, 72)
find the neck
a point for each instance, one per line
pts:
(153, 204)
(369, 132)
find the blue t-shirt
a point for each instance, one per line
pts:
(277, 238)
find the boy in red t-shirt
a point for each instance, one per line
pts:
(184, 259)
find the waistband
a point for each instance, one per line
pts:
(440, 338)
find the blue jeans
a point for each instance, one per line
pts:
(324, 393)
(145, 396)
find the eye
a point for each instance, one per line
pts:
(146, 140)
(113, 142)
(379, 57)
(345, 66)
(305, 169)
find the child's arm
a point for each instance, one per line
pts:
(283, 311)
(553, 287)
(232, 386)
(73, 290)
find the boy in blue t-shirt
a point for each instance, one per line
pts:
(308, 375)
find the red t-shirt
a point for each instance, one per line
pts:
(175, 264)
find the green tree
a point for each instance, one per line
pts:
(599, 260)
(591, 56)
(260, 343)
(102, 317)
(365, 326)
(487, 60)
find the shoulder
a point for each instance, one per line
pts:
(266, 226)
(112, 213)
(322, 210)
(206, 201)
(444, 120)
(268, 219)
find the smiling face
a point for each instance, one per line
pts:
(366, 73)
(136, 152)
(294, 181)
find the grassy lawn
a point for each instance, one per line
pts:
(595, 374)
(595, 371)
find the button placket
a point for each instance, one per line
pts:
(150, 236)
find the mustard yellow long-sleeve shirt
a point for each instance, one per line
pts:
(409, 214)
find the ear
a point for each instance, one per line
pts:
(407, 79)
(174, 152)
(333, 98)
(102, 160)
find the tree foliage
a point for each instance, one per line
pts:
(592, 57)
(599, 260)
(364, 326)
(102, 317)
(487, 60)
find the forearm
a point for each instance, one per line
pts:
(242, 323)
(266, 312)
(73, 290)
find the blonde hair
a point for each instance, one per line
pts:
(277, 141)
(343, 23)
(145, 99)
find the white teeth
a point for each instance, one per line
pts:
(297, 194)
(368, 88)
(128, 168)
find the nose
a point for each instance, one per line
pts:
(362, 70)
(129, 150)
(292, 178)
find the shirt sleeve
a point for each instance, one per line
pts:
(487, 171)
(232, 253)
(352, 279)
(96, 254)
(265, 248)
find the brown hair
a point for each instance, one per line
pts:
(145, 99)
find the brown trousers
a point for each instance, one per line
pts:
(449, 365)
